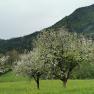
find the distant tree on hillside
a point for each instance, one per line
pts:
(13, 56)
(3, 63)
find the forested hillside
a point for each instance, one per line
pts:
(81, 20)
(20, 44)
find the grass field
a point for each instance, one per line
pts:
(48, 87)
(21, 86)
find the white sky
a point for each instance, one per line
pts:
(22, 17)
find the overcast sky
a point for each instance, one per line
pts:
(22, 17)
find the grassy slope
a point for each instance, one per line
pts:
(11, 77)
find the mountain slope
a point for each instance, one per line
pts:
(20, 44)
(80, 21)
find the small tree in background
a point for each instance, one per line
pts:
(31, 65)
(3, 62)
(12, 57)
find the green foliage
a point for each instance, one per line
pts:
(85, 71)
(12, 57)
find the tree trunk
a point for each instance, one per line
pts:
(65, 82)
(37, 81)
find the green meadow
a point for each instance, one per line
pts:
(10, 84)
(48, 87)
